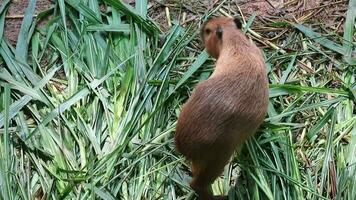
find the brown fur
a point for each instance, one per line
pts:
(224, 110)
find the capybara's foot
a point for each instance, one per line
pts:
(220, 197)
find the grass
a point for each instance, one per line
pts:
(90, 102)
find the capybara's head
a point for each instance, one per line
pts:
(213, 31)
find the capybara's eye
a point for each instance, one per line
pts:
(207, 31)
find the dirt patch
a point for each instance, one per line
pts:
(15, 14)
(330, 13)
(261, 7)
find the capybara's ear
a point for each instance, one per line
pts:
(219, 32)
(238, 23)
(202, 29)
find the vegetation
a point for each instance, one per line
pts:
(90, 101)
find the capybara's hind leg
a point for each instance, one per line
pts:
(199, 183)
(204, 174)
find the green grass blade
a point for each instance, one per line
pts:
(146, 24)
(320, 124)
(75, 98)
(288, 70)
(328, 158)
(349, 31)
(19, 104)
(123, 28)
(193, 68)
(312, 106)
(5, 152)
(23, 38)
(321, 39)
(3, 10)
(297, 88)
(249, 22)
(85, 11)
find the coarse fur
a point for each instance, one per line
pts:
(227, 108)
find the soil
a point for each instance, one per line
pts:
(14, 16)
(331, 13)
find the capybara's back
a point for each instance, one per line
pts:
(226, 109)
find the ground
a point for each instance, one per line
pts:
(331, 13)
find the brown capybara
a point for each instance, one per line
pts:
(227, 108)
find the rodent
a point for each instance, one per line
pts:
(227, 108)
